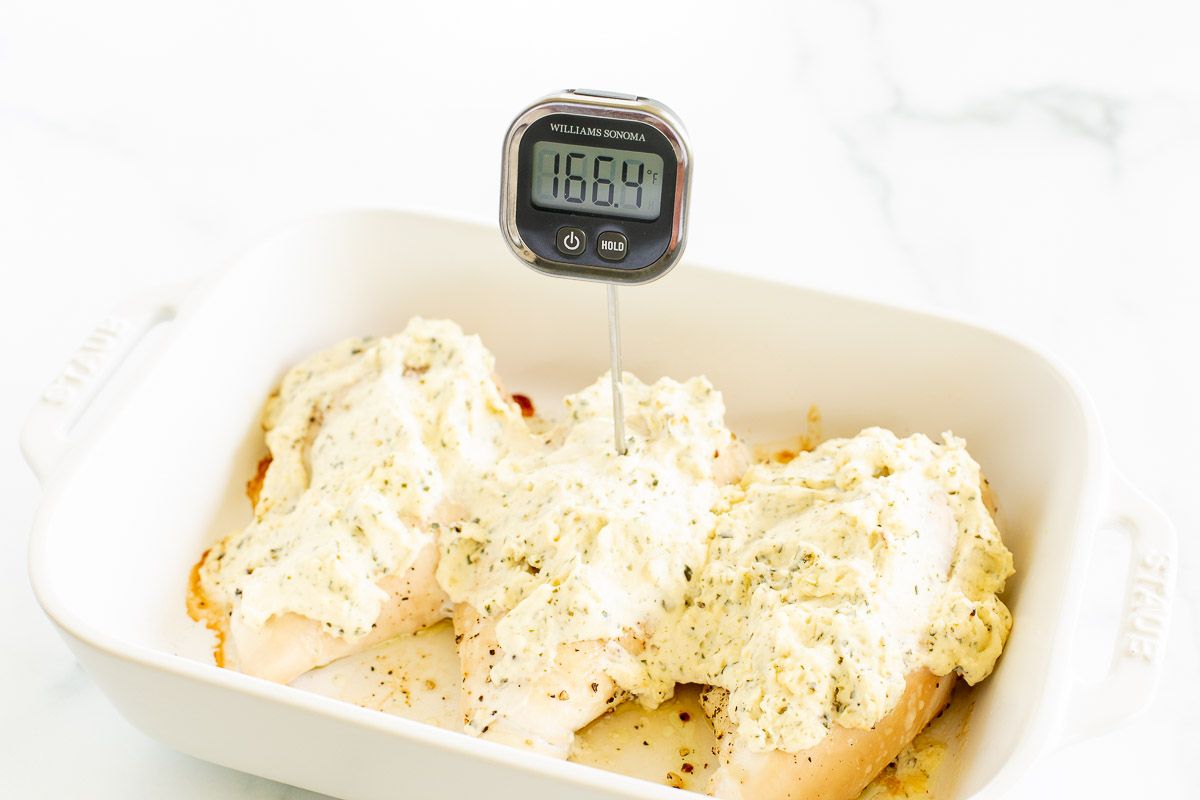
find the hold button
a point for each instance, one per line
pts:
(612, 246)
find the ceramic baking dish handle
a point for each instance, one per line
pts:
(47, 434)
(1137, 662)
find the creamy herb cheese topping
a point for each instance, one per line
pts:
(576, 543)
(832, 577)
(371, 441)
(808, 590)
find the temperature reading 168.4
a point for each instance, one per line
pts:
(596, 180)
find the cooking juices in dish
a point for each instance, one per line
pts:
(827, 603)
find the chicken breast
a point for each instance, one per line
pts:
(541, 713)
(371, 444)
(840, 766)
(574, 556)
(287, 646)
(837, 588)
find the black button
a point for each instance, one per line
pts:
(571, 241)
(612, 246)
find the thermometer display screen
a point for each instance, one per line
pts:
(597, 180)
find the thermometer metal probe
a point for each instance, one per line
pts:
(595, 186)
(614, 369)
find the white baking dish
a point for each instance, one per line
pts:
(128, 508)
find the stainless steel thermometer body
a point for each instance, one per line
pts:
(594, 186)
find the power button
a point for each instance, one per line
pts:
(571, 241)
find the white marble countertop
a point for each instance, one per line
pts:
(1033, 165)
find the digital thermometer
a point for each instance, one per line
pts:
(594, 185)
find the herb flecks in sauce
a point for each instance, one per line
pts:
(371, 441)
(809, 589)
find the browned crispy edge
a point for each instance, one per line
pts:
(805, 442)
(202, 610)
(255, 484)
(199, 606)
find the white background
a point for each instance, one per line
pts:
(1033, 164)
